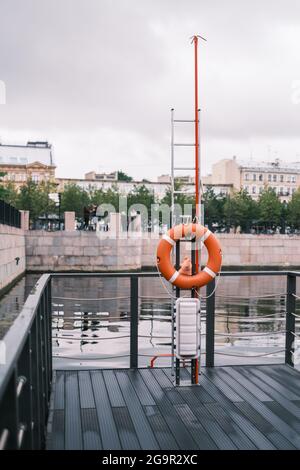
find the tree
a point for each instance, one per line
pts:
(213, 208)
(74, 199)
(180, 200)
(123, 176)
(9, 193)
(269, 208)
(240, 210)
(31, 199)
(143, 196)
(293, 210)
(2, 188)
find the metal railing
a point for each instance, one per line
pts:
(289, 331)
(9, 215)
(26, 372)
(25, 376)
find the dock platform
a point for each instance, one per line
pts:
(241, 407)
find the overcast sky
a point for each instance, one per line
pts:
(97, 79)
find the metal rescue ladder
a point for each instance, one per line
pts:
(178, 358)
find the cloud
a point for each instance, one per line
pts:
(99, 77)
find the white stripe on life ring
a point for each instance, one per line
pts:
(206, 235)
(168, 239)
(209, 271)
(174, 277)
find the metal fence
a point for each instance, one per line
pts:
(26, 372)
(9, 215)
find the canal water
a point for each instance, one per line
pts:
(91, 320)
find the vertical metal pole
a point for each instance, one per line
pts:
(171, 224)
(290, 320)
(134, 312)
(210, 324)
(172, 169)
(196, 119)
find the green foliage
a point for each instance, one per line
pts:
(240, 210)
(34, 198)
(213, 208)
(74, 198)
(269, 208)
(9, 193)
(123, 176)
(2, 186)
(141, 195)
(293, 211)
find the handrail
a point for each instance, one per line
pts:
(25, 378)
(26, 374)
(18, 332)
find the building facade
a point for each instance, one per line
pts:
(31, 161)
(254, 177)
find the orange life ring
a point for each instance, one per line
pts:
(165, 247)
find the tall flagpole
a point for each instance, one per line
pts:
(195, 40)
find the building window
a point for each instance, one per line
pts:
(253, 189)
(247, 176)
(246, 188)
(293, 179)
(35, 178)
(281, 178)
(293, 190)
(274, 178)
(269, 177)
(260, 189)
(288, 179)
(260, 177)
(254, 176)
(281, 191)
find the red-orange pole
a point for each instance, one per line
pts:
(197, 169)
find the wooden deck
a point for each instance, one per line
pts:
(242, 407)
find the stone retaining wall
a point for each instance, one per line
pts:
(85, 251)
(81, 251)
(12, 246)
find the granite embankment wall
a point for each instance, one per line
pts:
(243, 250)
(12, 247)
(86, 251)
(81, 251)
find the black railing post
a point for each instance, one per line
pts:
(210, 324)
(134, 314)
(290, 319)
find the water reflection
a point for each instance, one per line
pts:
(246, 321)
(91, 319)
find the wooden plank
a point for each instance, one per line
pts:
(140, 388)
(170, 415)
(57, 441)
(108, 430)
(261, 408)
(90, 429)
(202, 393)
(278, 397)
(268, 377)
(86, 390)
(213, 435)
(127, 434)
(113, 389)
(140, 422)
(248, 384)
(284, 378)
(231, 429)
(59, 392)
(73, 431)
(221, 386)
(264, 427)
(160, 428)
(284, 414)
